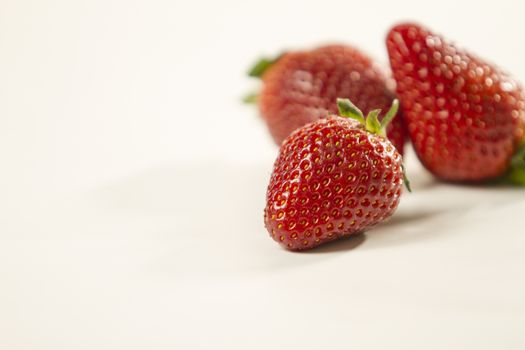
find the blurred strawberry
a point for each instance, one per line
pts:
(465, 117)
(302, 86)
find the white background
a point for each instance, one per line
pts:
(132, 184)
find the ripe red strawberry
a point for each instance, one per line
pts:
(301, 87)
(333, 177)
(465, 117)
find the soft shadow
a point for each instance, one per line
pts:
(409, 227)
(221, 205)
(406, 218)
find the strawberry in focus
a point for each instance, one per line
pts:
(302, 86)
(333, 178)
(465, 117)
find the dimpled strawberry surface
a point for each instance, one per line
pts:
(331, 179)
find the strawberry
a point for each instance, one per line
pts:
(301, 87)
(465, 117)
(333, 178)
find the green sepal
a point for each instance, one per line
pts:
(405, 178)
(516, 173)
(257, 71)
(516, 177)
(262, 66)
(349, 110)
(372, 122)
(250, 98)
(389, 116)
(518, 159)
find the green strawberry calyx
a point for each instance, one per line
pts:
(261, 66)
(257, 71)
(250, 98)
(516, 173)
(371, 122)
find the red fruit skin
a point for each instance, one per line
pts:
(465, 117)
(303, 86)
(331, 179)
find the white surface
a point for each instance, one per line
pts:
(132, 186)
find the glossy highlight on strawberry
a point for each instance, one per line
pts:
(302, 86)
(465, 117)
(332, 178)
